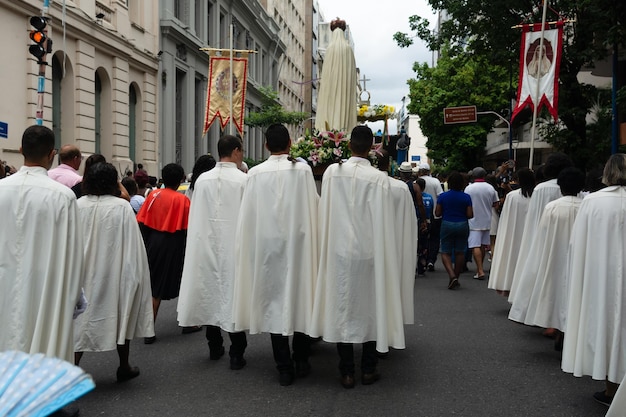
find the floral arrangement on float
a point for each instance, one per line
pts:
(322, 148)
(375, 112)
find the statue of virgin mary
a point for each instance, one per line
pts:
(336, 105)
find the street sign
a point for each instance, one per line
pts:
(463, 114)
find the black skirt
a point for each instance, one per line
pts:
(166, 253)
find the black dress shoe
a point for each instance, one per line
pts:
(303, 369)
(149, 340)
(215, 354)
(370, 378)
(286, 378)
(126, 374)
(191, 329)
(347, 381)
(237, 363)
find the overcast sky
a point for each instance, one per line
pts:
(372, 24)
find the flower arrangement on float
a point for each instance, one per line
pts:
(374, 112)
(322, 148)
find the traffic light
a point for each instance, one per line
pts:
(43, 44)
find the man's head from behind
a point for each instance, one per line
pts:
(38, 146)
(226, 147)
(277, 138)
(70, 155)
(361, 140)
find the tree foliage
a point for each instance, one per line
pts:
(272, 112)
(484, 30)
(457, 81)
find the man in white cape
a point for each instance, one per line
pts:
(117, 275)
(277, 254)
(206, 290)
(595, 331)
(357, 298)
(547, 306)
(42, 255)
(336, 103)
(405, 225)
(526, 267)
(511, 229)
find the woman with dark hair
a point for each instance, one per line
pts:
(510, 229)
(89, 162)
(455, 208)
(163, 221)
(136, 200)
(117, 276)
(595, 332)
(203, 164)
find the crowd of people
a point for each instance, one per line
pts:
(92, 257)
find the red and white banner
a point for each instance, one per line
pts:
(539, 67)
(219, 90)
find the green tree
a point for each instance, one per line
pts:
(272, 112)
(461, 80)
(483, 29)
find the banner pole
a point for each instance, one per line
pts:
(536, 101)
(232, 76)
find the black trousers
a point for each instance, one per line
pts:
(434, 240)
(369, 359)
(238, 342)
(282, 353)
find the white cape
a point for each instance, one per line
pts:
(336, 102)
(510, 230)
(595, 332)
(542, 195)
(206, 290)
(546, 307)
(405, 227)
(357, 298)
(277, 249)
(42, 260)
(117, 277)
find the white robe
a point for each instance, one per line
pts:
(277, 249)
(42, 259)
(206, 290)
(542, 195)
(405, 227)
(336, 103)
(595, 331)
(506, 250)
(547, 305)
(357, 298)
(117, 277)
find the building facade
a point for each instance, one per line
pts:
(101, 82)
(186, 27)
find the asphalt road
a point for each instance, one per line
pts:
(463, 358)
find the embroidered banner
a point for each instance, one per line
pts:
(219, 90)
(539, 66)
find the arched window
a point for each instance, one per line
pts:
(57, 79)
(132, 123)
(98, 111)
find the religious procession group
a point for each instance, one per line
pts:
(559, 257)
(260, 252)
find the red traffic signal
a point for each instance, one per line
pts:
(43, 44)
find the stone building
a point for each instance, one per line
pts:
(101, 82)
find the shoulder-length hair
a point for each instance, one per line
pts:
(615, 170)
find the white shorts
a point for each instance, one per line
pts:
(478, 238)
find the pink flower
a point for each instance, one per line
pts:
(314, 158)
(337, 151)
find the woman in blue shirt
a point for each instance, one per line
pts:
(454, 207)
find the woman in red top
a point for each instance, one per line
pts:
(163, 221)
